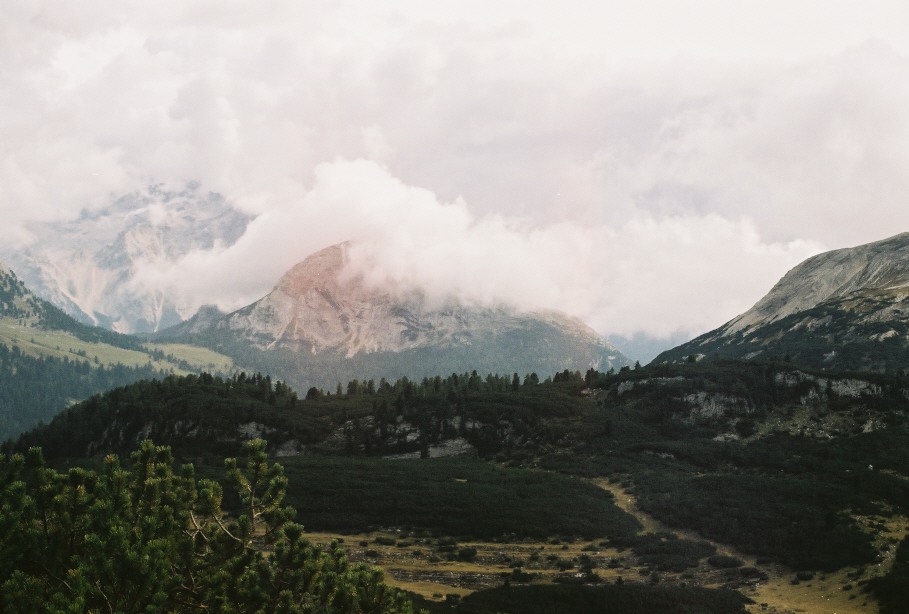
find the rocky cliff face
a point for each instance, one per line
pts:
(847, 309)
(316, 307)
(319, 314)
(86, 265)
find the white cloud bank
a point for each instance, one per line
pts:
(660, 275)
(649, 166)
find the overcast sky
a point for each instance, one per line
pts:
(650, 166)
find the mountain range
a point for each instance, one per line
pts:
(87, 266)
(321, 325)
(843, 309)
(753, 436)
(48, 360)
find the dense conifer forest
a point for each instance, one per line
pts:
(36, 388)
(779, 462)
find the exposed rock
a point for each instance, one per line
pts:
(846, 309)
(87, 266)
(323, 323)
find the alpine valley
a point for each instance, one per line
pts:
(489, 460)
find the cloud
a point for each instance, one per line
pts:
(650, 166)
(660, 275)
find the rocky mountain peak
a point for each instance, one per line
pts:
(324, 323)
(86, 265)
(843, 309)
(319, 271)
(882, 265)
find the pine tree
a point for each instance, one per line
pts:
(151, 539)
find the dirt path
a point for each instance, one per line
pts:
(833, 593)
(419, 564)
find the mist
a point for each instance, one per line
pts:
(646, 169)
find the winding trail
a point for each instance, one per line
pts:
(824, 594)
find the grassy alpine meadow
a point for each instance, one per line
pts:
(39, 342)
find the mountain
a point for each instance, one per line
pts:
(844, 309)
(322, 325)
(48, 360)
(87, 265)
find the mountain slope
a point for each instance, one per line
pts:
(87, 266)
(844, 309)
(321, 325)
(48, 360)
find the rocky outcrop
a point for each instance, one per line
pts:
(845, 309)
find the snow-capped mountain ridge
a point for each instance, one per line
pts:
(87, 266)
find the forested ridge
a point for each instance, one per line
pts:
(35, 389)
(777, 461)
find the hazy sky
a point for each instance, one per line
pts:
(649, 166)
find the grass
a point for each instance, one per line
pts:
(608, 599)
(38, 342)
(204, 358)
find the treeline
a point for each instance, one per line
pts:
(196, 414)
(35, 389)
(203, 415)
(15, 299)
(452, 384)
(303, 370)
(494, 413)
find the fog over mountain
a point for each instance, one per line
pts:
(648, 168)
(324, 322)
(88, 265)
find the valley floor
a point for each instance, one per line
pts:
(420, 563)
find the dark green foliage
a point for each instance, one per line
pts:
(454, 496)
(200, 415)
(783, 496)
(666, 552)
(788, 518)
(194, 415)
(603, 599)
(152, 540)
(892, 590)
(36, 389)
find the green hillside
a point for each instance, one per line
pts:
(795, 468)
(49, 361)
(765, 457)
